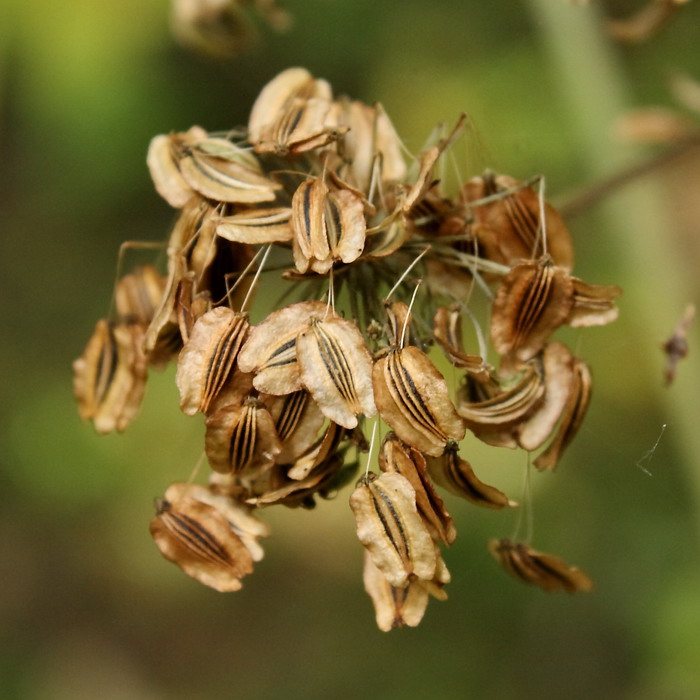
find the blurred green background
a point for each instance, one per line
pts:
(88, 608)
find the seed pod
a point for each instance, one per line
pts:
(336, 368)
(509, 228)
(550, 573)
(241, 438)
(207, 358)
(394, 456)
(270, 351)
(199, 539)
(223, 172)
(163, 164)
(413, 398)
(109, 378)
(389, 526)
(238, 515)
(394, 607)
(573, 415)
(456, 475)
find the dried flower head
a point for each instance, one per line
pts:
(318, 187)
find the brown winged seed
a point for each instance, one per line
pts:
(207, 358)
(201, 541)
(413, 398)
(270, 351)
(109, 378)
(550, 573)
(389, 526)
(336, 368)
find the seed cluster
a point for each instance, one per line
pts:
(378, 264)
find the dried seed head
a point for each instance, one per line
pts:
(256, 226)
(447, 328)
(241, 438)
(572, 417)
(394, 607)
(550, 573)
(139, 294)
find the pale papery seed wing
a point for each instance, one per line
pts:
(271, 100)
(573, 415)
(239, 515)
(270, 350)
(394, 456)
(594, 304)
(559, 381)
(207, 358)
(257, 226)
(415, 400)
(390, 528)
(456, 475)
(297, 419)
(393, 607)
(324, 449)
(307, 219)
(201, 542)
(241, 438)
(336, 368)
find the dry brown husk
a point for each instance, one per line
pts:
(336, 368)
(189, 305)
(550, 573)
(572, 417)
(392, 531)
(394, 456)
(456, 475)
(509, 229)
(413, 399)
(241, 438)
(200, 540)
(534, 299)
(206, 360)
(109, 378)
(394, 607)
(270, 351)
